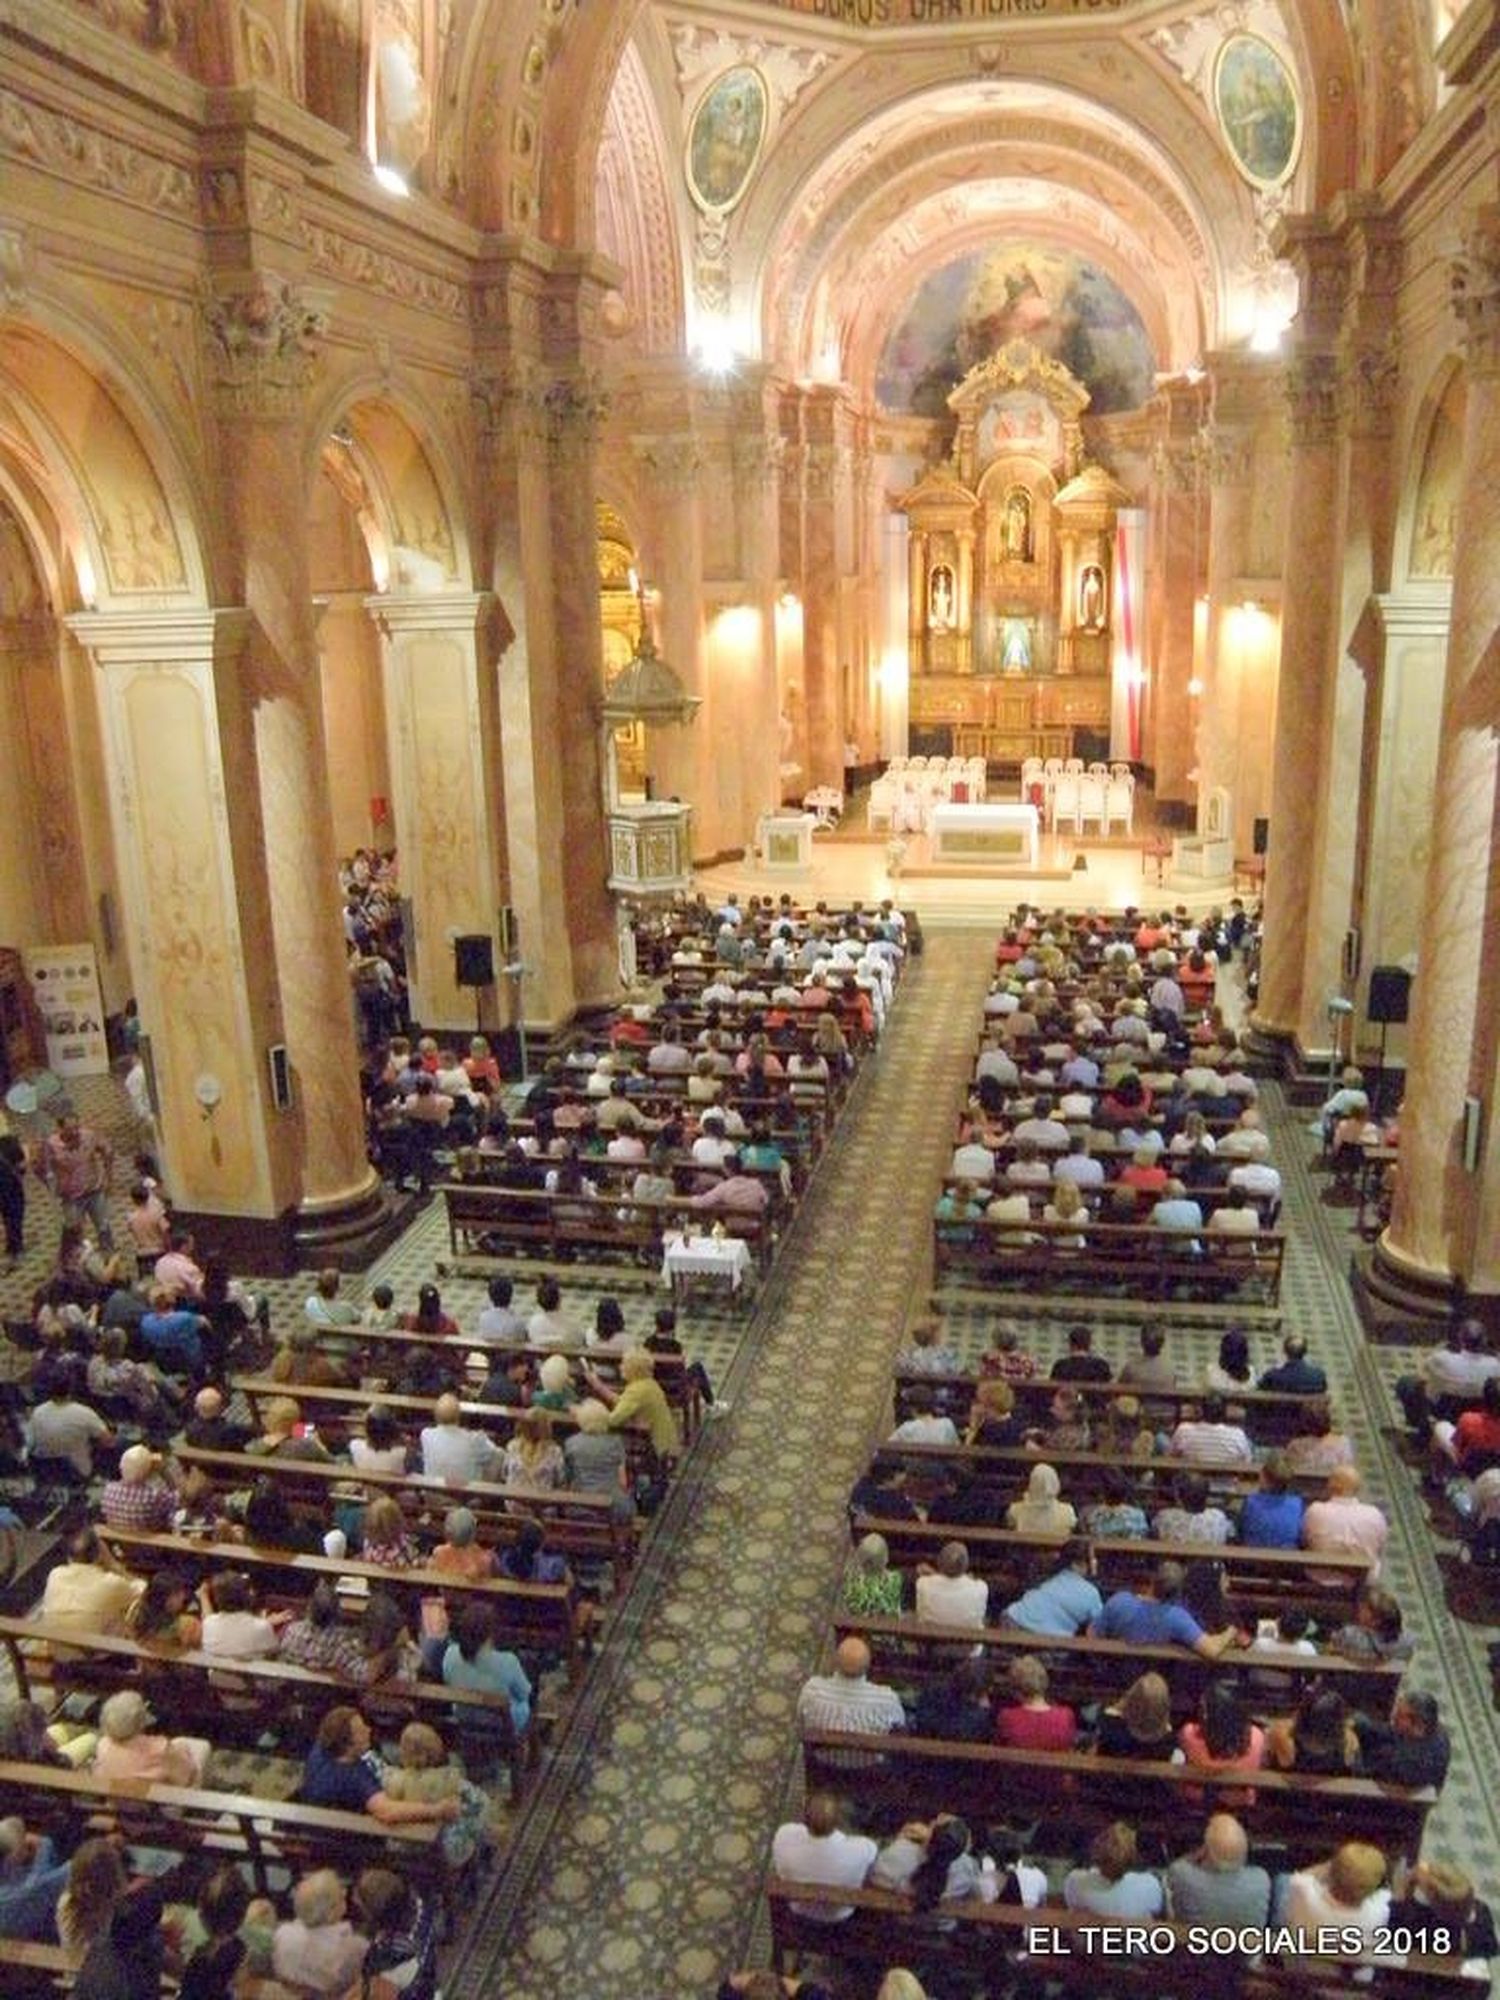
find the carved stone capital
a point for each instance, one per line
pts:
(575, 407)
(264, 342)
(823, 466)
(1370, 377)
(668, 465)
(1226, 453)
(1314, 398)
(757, 460)
(1474, 286)
(1176, 465)
(509, 408)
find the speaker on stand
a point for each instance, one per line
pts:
(1390, 1001)
(474, 965)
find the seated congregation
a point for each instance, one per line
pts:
(325, 1584)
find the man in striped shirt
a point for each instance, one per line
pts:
(1209, 1440)
(848, 1699)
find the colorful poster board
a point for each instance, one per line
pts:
(65, 985)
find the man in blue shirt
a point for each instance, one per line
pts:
(1296, 1375)
(1157, 1619)
(174, 1338)
(31, 1880)
(1064, 1602)
(1272, 1517)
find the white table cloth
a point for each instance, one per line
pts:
(706, 1257)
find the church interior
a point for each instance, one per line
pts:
(504, 502)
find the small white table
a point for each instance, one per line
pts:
(991, 832)
(705, 1257)
(826, 804)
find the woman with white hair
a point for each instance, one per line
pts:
(595, 1458)
(1041, 1511)
(319, 1950)
(872, 1589)
(129, 1754)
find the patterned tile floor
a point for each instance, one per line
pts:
(634, 1873)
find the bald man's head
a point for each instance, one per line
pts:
(1225, 1843)
(208, 1404)
(852, 1659)
(448, 1410)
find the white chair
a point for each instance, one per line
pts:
(1119, 770)
(1119, 803)
(1031, 773)
(1073, 766)
(882, 803)
(896, 764)
(1098, 770)
(1090, 802)
(1064, 804)
(1052, 768)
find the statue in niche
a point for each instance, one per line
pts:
(1018, 525)
(1015, 645)
(940, 598)
(1091, 598)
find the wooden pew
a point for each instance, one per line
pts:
(579, 1524)
(1265, 1581)
(1075, 1794)
(984, 1942)
(1152, 1260)
(556, 1223)
(535, 1617)
(1269, 1415)
(266, 1834)
(51, 1968)
(270, 1694)
(1083, 1473)
(912, 1653)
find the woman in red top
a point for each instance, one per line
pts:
(1224, 1739)
(1029, 1721)
(1144, 1172)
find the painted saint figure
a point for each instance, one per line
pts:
(940, 598)
(1091, 599)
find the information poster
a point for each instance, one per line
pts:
(65, 984)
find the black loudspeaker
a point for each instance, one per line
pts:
(1260, 836)
(473, 961)
(1390, 993)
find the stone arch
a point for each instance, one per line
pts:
(102, 453)
(637, 217)
(1430, 467)
(415, 527)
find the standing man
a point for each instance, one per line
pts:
(79, 1165)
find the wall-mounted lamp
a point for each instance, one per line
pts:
(1195, 687)
(209, 1092)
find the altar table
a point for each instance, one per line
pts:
(991, 832)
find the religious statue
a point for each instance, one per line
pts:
(1091, 598)
(940, 598)
(1015, 646)
(1018, 525)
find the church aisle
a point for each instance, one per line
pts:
(639, 1868)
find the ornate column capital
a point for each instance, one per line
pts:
(1227, 453)
(264, 340)
(757, 459)
(1474, 288)
(507, 402)
(670, 464)
(1369, 379)
(1314, 395)
(823, 464)
(575, 406)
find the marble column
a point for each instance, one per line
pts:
(754, 456)
(575, 407)
(181, 754)
(1229, 452)
(667, 467)
(262, 341)
(822, 635)
(1443, 1226)
(1176, 577)
(443, 707)
(513, 459)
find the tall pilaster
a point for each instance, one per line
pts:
(181, 751)
(1180, 547)
(755, 454)
(1227, 451)
(443, 705)
(826, 455)
(667, 466)
(1300, 896)
(1443, 1226)
(262, 336)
